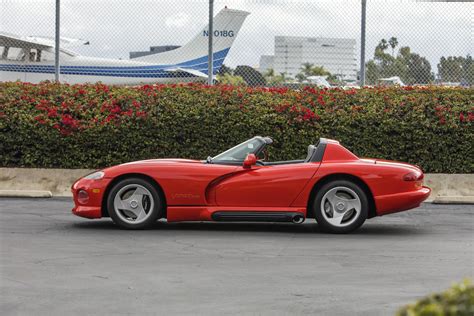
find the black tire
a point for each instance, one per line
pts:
(352, 223)
(153, 213)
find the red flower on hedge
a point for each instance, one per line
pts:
(52, 112)
(136, 104)
(141, 114)
(69, 121)
(116, 109)
(321, 100)
(40, 119)
(128, 113)
(109, 118)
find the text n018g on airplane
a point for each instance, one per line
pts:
(31, 59)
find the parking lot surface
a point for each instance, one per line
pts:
(53, 263)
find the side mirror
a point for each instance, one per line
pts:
(249, 161)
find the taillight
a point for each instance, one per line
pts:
(413, 176)
(82, 197)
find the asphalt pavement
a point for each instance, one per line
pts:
(53, 263)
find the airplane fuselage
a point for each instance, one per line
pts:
(80, 69)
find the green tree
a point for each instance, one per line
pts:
(468, 71)
(270, 72)
(393, 42)
(300, 77)
(225, 70)
(383, 45)
(319, 71)
(306, 69)
(456, 69)
(410, 67)
(228, 79)
(419, 70)
(251, 76)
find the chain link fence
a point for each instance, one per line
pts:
(256, 42)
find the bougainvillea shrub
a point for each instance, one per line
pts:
(92, 126)
(455, 301)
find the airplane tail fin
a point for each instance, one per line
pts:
(193, 55)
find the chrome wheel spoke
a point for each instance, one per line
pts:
(332, 198)
(354, 204)
(336, 218)
(138, 194)
(119, 204)
(140, 213)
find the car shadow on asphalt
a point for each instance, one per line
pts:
(306, 228)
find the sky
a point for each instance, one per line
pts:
(116, 27)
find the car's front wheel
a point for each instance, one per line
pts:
(340, 206)
(134, 203)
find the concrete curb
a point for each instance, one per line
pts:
(34, 182)
(26, 193)
(454, 200)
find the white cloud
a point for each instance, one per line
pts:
(178, 20)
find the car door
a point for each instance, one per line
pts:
(265, 186)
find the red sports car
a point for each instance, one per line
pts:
(332, 185)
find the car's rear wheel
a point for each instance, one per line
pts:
(134, 203)
(340, 206)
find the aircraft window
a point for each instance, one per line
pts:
(22, 55)
(46, 55)
(11, 53)
(3, 52)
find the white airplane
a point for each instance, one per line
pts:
(31, 59)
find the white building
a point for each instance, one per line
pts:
(266, 62)
(336, 55)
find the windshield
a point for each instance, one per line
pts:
(239, 152)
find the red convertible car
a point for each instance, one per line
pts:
(332, 185)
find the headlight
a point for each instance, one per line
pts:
(95, 176)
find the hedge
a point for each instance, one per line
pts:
(456, 301)
(91, 126)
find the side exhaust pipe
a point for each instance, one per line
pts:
(298, 219)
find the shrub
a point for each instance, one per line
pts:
(91, 126)
(456, 301)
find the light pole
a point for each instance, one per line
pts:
(56, 43)
(362, 44)
(210, 59)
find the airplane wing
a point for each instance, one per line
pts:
(65, 42)
(38, 42)
(11, 40)
(191, 71)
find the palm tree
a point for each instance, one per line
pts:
(300, 77)
(319, 71)
(383, 45)
(307, 69)
(270, 73)
(393, 43)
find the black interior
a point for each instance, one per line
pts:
(315, 154)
